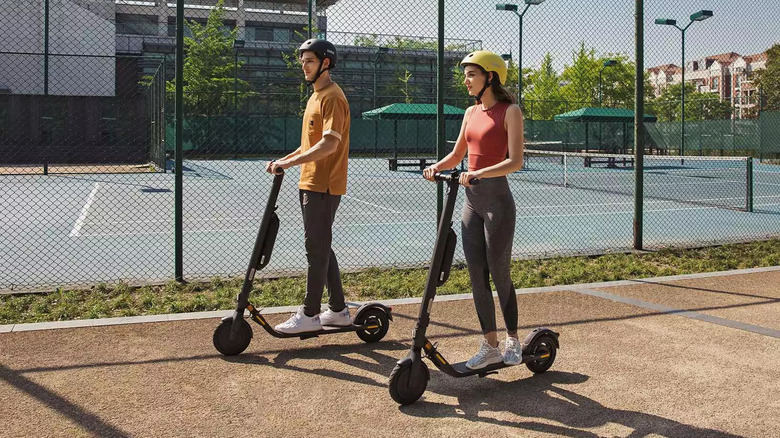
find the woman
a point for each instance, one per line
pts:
(492, 133)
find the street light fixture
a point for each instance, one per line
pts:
(698, 16)
(514, 8)
(607, 63)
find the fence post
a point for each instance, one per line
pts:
(440, 105)
(46, 79)
(749, 194)
(178, 192)
(639, 134)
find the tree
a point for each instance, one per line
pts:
(581, 78)
(210, 67)
(768, 79)
(698, 106)
(405, 87)
(618, 81)
(543, 99)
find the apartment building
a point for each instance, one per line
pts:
(729, 76)
(662, 76)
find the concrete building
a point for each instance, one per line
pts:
(83, 30)
(108, 43)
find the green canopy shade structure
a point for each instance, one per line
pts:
(399, 111)
(592, 114)
(589, 115)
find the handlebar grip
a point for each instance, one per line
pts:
(446, 177)
(449, 177)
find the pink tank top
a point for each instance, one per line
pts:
(486, 137)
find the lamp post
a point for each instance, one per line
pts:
(698, 16)
(514, 8)
(607, 63)
(237, 44)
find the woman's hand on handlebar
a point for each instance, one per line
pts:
(466, 177)
(429, 172)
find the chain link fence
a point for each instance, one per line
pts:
(87, 129)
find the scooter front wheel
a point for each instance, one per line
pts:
(232, 347)
(404, 388)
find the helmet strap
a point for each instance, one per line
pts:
(478, 97)
(320, 71)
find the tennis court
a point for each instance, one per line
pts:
(86, 229)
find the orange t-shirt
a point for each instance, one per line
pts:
(327, 113)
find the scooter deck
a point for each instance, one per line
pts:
(461, 368)
(328, 329)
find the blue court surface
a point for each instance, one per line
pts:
(77, 229)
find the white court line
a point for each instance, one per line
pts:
(373, 205)
(616, 213)
(423, 212)
(80, 221)
(227, 230)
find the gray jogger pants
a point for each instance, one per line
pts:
(488, 229)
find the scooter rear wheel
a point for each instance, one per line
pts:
(225, 345)
(378, 321)
(542, 346)
(405, 390)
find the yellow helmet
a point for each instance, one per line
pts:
(488, 61)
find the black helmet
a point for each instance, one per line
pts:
(323, 49)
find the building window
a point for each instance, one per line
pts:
(226, 27)
(281, 35)
(260, 33)
(136, 24)
(714, 83)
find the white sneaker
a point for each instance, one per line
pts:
(487, 355)
(337, 319)
(513, 351)
(299, 323)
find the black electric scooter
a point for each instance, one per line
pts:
(233, 334)
(410, 376)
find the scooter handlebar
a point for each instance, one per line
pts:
(454, 176)
(278, 170)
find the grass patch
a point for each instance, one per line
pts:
(104, 300)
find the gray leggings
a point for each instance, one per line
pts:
(488, 228)
(319, 212)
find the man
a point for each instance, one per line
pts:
(322, 156)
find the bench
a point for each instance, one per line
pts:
(419, 162)
(609, 161)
